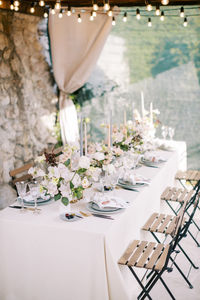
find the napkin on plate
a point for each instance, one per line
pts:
(134, 178)
(29, 197)
(153, 157)
(108, 201)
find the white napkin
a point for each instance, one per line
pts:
(153, 157)
(135, 178)
(108, 201)
(29, 197)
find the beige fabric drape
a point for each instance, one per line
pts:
(75, 48)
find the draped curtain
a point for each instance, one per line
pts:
(75, 48)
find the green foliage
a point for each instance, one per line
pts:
(65, 201)
(57, 197)
(67, 162)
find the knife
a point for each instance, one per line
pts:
(103, 216)
(25, 207)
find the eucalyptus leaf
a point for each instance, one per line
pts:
(57, 197)
(65, 201)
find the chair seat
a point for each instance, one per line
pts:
(143, 254)
(191, 175)
(160, 223)
(176, 194)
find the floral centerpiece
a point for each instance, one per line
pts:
(64, 177)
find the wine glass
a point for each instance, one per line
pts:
(164, 131)
(21, 190)
(171, 132)
(34, 191)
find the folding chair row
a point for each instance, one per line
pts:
(154, 257)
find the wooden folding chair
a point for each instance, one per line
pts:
(20, 174)
(179, 195)
(190, 176)
(152, 256)
(162, 223)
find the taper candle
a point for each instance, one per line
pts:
(110, 128)
(151, 113)
(81, 137)
(142, 103)
(85, 137)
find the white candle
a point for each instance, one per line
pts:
(142, 104)
(133, 105)
(111, 128)
(108, 135)
(124, 117)
(85, 134)
(151, 113)
(81, 137)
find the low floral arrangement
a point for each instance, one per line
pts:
(64, 177)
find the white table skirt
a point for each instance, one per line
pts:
(43, 257)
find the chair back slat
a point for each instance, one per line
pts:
(20, 174)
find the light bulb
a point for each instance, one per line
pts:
(41, 3)
(185, 23)
(182, 12)
(94, 14)
(162, 17)
(16, 3)
(45, 14)
(79, 18)
(149, 22)
(11, 5)
(69, 11)
(138, 16)
(110, 13)
(32, 9)
(91, 17)
(53, 11)
(149, 6)
(1, 2)
(106, 5)
(165, 2)
(57, 5)
(60, 15)
(95, 7)
(16, 8)
(125, 17)
(113, 21)
(157, 11)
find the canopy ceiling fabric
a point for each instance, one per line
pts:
(75, 49)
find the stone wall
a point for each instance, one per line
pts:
(27, 98)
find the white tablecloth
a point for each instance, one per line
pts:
(43, 257)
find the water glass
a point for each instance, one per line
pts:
(171, 132)
(34, 191)
(164, 131)
(21, 190)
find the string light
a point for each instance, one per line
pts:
(41, 3)
(149, 22)
(149, 6)
(157, 10)
(110, 13)
(16, 8)
(185, 23)
(125, 17)
(138, 16)
(45, 14)
(91, 17)
(32, 8)
(164, 2)
(1, 2)
(182, 12)
(113, 21)
(11, 5)
(57, 5)
(94, 14)
(60, 15)
(162, 17)
(95, 6)
(16, 3)
(79, 18)
(106, 5)
(69, 12)
(53, 11)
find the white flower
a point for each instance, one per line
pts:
(65, 190)
(128, 140)
(118, 137)
(65, 173)
(85, 183)
(99, 156)
(75, 161)
(53, 172)
(36, 172)
(76, 181)
(40, 159)
(52, 188)
(110, 169)
(117, 151)
(84, 162)
(94, 173)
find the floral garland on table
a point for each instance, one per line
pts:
(65, 179)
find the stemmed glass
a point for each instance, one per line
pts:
(171, 132)
(34, 191)
(21, 190)
(164, 132)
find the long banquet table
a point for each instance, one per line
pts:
(43, 257)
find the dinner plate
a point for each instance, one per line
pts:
(89, 206)
(106, 209)
(137, 185)
(75, 218)
(40, 201)
(152, 163)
